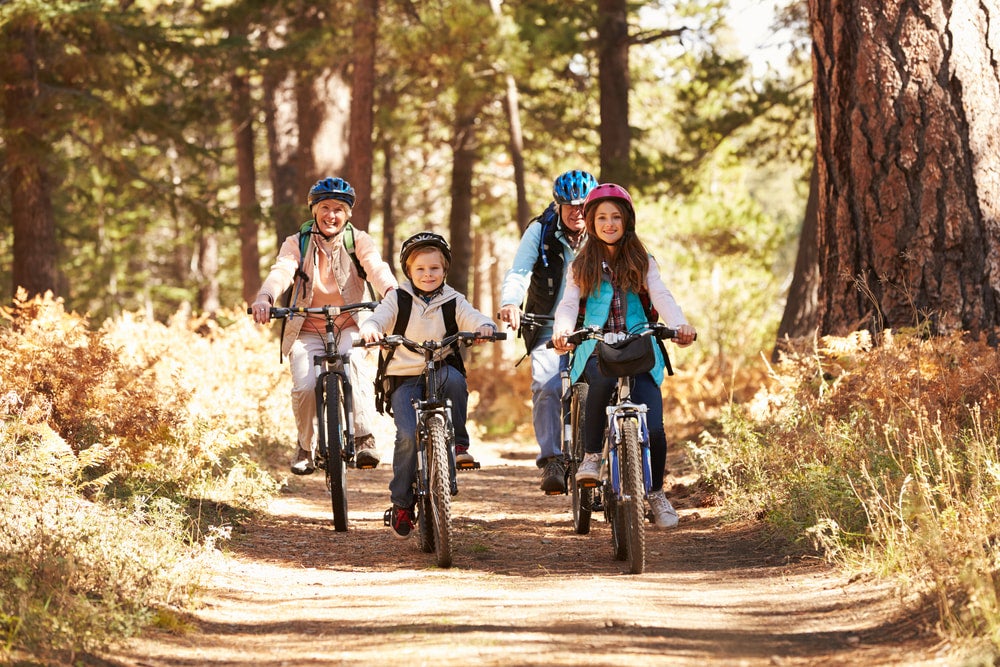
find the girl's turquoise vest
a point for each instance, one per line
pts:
(598, 309)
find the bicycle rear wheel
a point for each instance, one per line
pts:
(632, 508)
(582, 497)
(336, 467)
(440, 488)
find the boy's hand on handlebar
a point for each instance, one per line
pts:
(685, 335)
(261, 311)
(484, 333)
(510, 314)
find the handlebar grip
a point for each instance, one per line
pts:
(499, 335)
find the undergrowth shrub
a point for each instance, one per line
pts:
(885, 458)
(126, 452)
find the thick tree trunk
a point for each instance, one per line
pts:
(35, 267)
(907, 144)
(799, 318)
(362, 120)
(614, 83)
(460, 219)
(246, 178)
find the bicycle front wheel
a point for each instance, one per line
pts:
(582, 497)
(336, 467)
(440, 488)
(632, 510)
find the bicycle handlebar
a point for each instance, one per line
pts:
(392, 340)
(328, 311)
(594, 332)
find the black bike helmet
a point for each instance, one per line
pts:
(573, 187)
(331, 188)
(423, 240)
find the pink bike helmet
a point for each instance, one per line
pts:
(610, 191)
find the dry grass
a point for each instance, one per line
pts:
(884, 457)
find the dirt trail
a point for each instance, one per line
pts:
(524, 590)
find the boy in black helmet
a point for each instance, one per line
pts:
(424, 259)
(325, 274)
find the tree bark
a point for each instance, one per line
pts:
(35, 249)
(282, 144)
(246, 179)
(460, 218)
(516, 138)
(388, 214)
(614, 83)
(799, 318)
(907, 143)
(361, 151)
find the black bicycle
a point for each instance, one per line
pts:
(334, 404)
(626, 473)
(436, 480)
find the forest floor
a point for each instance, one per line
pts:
(524, 589)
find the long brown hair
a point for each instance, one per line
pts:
(630, 264)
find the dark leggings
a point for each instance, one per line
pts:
(644, 390)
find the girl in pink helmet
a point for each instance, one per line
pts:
(615, 278)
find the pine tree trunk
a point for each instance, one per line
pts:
(614, 82)
(35, 267)
(362, 118)
(907, 138)
(246, 178)
(460, 219)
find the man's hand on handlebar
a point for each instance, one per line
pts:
(510, 314)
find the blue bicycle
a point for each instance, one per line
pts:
(626, 474)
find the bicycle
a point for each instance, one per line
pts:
(436, 480)
(626, 475)
(334, 404)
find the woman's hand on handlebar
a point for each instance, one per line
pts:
(371, 337)
(261, 311)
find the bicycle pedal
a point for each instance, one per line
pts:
(588, 484)
(555, 493)
(367, 466)
(468, 466)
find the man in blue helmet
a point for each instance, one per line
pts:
(536, 279)
(322, 263)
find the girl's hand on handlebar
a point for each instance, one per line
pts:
(559, 341)
(261, 310)
(685, 335)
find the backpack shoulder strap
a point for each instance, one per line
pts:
(451, 327)
(383, 383)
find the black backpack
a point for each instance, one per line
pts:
(386, 384)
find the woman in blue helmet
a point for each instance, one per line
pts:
(536, 280)
(325, 274)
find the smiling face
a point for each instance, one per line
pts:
(609, 222)
(330, 215)
(572, 217)
(427, 269)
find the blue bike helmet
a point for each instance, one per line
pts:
(331, 188)
(573, 187)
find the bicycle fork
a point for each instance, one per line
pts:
(425, 410)
(618, 415)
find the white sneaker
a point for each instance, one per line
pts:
(664, 514)
(303, 463)
(590, 469)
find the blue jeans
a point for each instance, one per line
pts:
(644, 390)
(451, 385)
(546, 401)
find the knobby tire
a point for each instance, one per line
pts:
(633, 509)
(336, 467)
(440, 488)
(582, 498)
